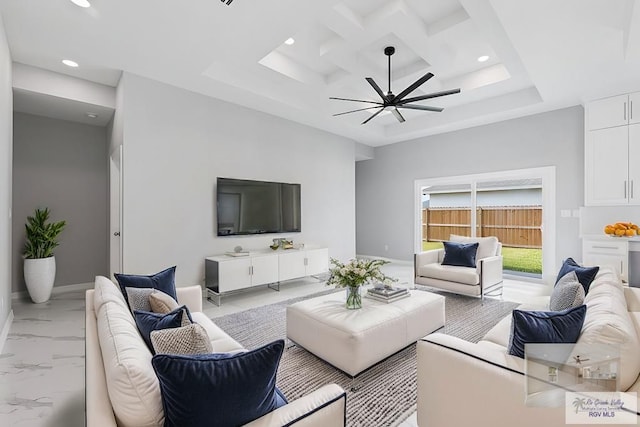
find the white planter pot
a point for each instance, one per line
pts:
(39, 275)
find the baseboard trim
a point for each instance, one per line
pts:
(5, 330)
(21, 295)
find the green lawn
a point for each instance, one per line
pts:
(514, 259)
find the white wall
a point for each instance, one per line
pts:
(115, 128)
(6, 146)
(385, 184)
(175, 145)
(33, 79)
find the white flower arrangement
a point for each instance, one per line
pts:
(358, 272)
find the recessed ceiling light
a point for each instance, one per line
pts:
(483, 58)
(69, 63)
(289, 41)
(92, 115)
(81, 3)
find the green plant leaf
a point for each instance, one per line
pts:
(41, 235)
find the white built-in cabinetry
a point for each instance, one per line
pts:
(607, 251)
(612, 147)
(294, 264)
(225, 273)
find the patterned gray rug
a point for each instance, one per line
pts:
(387, 391)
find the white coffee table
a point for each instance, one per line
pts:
(354, 340)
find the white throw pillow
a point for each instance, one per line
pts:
(487, 246)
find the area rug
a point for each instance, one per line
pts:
(386, 393)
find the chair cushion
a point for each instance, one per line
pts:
(557, 327)
(450, 273)
(487, 246)
(460, 254)
(220, 341)
(567, 293)
(585, 274)
(228, 390)
(164, 281)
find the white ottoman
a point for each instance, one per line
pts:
(354, 340)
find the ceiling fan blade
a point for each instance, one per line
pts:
(414, 86)
(374, 114)
(421, 107)
(375, 87)
(398, 115)
(356, 100)
(354, 111)
(430, 96)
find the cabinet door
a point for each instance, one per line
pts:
(234, 274)
(616, 262)
(606, 166)
(612, 252)
(608, 112)
(264, 269)
(634, 163)
(291, 265)
(634, 108)
(317, 261)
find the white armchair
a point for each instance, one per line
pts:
(484, 279)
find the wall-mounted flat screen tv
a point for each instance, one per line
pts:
(257, 207)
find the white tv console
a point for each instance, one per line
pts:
(225, 274)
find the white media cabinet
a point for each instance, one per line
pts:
(225, 274)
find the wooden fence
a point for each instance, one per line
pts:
(514, 226)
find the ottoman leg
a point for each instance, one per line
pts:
(355, 384)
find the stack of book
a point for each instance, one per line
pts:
(388, 294)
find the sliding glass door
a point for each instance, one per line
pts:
(511, 205)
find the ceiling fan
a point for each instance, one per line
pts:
(393, 102)
(578, 360)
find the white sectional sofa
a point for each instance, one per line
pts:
(481, 385)
(122, 388)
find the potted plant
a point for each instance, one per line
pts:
(356, 273)
(39, 261)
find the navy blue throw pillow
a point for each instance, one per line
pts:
(164, 281)
(148, 322)
(585, 274)
(460, 254)
(225, 390)
(543, 327)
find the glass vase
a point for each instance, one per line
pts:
(354, 298)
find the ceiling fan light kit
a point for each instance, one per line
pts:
(394, 102)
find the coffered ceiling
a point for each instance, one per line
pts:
(543, 54)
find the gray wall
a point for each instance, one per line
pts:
(6, 141)
(176, 143)
(63, 166)
(385, 184)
